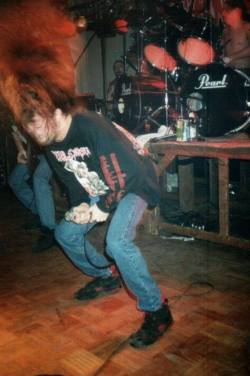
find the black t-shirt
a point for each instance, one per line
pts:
(97, 159)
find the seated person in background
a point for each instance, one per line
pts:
(115, 88)
(119, 71)
(236, 35)
(37, 197)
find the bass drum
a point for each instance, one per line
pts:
(219, 98)
(140, 97)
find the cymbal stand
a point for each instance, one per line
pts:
(140, 43)
(124, 46)
(149, 115)
(139, 52)
(166, 99)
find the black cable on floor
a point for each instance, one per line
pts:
(211, 287)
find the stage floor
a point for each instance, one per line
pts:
(44, 331)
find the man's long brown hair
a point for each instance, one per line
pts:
(36, 67)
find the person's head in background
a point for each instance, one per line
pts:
(118, 68)
(234, 12)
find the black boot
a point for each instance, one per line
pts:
(154, 326)
(99, 287)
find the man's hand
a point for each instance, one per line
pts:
(96, 215)
(22, 157)
(79, 214)
(86, 214)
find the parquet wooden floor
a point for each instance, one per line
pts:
(44, 331)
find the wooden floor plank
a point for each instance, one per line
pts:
(45, 331)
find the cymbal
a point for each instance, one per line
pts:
(148, 92)
(150, 80)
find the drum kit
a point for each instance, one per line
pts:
(179, 73)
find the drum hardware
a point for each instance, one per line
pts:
(175, 13)
(153, 26)
(131, 65)
(166, 114)
(194, 102)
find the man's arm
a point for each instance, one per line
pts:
(243, 53)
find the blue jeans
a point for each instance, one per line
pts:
(39, 198)
(120, 246)
(18, 182)
(44, 194)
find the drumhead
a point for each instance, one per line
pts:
(160, 58)
(196, 51)
(220, 98)
(199, 43)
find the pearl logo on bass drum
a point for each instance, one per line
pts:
(207, 83)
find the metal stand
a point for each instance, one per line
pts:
(103, 53)
(85, 48)
(166, 99)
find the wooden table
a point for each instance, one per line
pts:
(167, 151)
